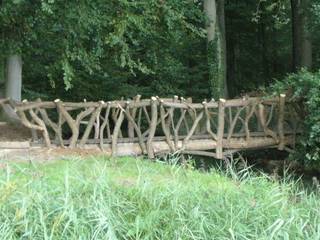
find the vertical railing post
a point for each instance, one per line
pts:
(153, 126)
(220, 133)
(133, 114)
(282, 100)
(116, 133)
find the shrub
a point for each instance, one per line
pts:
(305, 86)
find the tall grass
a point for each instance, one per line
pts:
(137, 199)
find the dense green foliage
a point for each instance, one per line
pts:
(135, 199)
(304, 86)
(108, 49)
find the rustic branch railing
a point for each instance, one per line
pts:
(154, 126)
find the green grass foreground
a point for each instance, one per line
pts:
(138, 199)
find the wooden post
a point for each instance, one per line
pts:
(282, 100)
(208, 123)
(34, 133)
(116, 132)
(40, 123)
(104, 125)
(97, 127)
(90, 124)
(70, 121)
(133, 114)
(220, 133)
(136, 128)
(165, 127)
(153, 126)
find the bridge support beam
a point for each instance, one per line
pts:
(161, 147)
(220, 134)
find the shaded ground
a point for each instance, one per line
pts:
(44, 154)
(13, 132)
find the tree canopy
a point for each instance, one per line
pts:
(108, 49)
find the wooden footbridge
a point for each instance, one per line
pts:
(159, 126)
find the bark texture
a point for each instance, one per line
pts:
(216, 41)
(301, 39)
(14, 77)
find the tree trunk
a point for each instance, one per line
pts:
(296, 34)
(210, 10)
(306, 58)
(216, 41)
(301, 42)
(14, 77)
(222, 30)
(264, 54)
(2, 78)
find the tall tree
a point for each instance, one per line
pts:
(16, 21)
(2, 78)
(14, 77)
(302, 46)
(216, 40)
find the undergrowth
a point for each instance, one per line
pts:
(138, 199)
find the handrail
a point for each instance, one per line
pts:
(177, 121)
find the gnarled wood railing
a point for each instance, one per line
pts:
(154, 126)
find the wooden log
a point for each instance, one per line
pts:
(200, 153)
(136, 128)
(139, 118)
(229, 103)
(50, 123)
(133, 114)
(70, 121)
(234, 122)
(26, 122)
(55, 127)
(262, 120)
(177, 127)
(153, 126)
(116, 133)
(270, 115)
(77, 105)
(61, 121)
(192, 130)
(44, 130)
(165, 128)
(185, 121)
(90, 124)
(170, 120)
(146, 114)
(160, 147)
(73, 124)
(208, 122)
(187, 105)
(115, 115)
(103, 126)
(220, 133)
(282, 100)
(142, 103)
(235, 136)
(97, 126)
(78, 120)
(34, 133)
(148, 130)
(249, 114)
